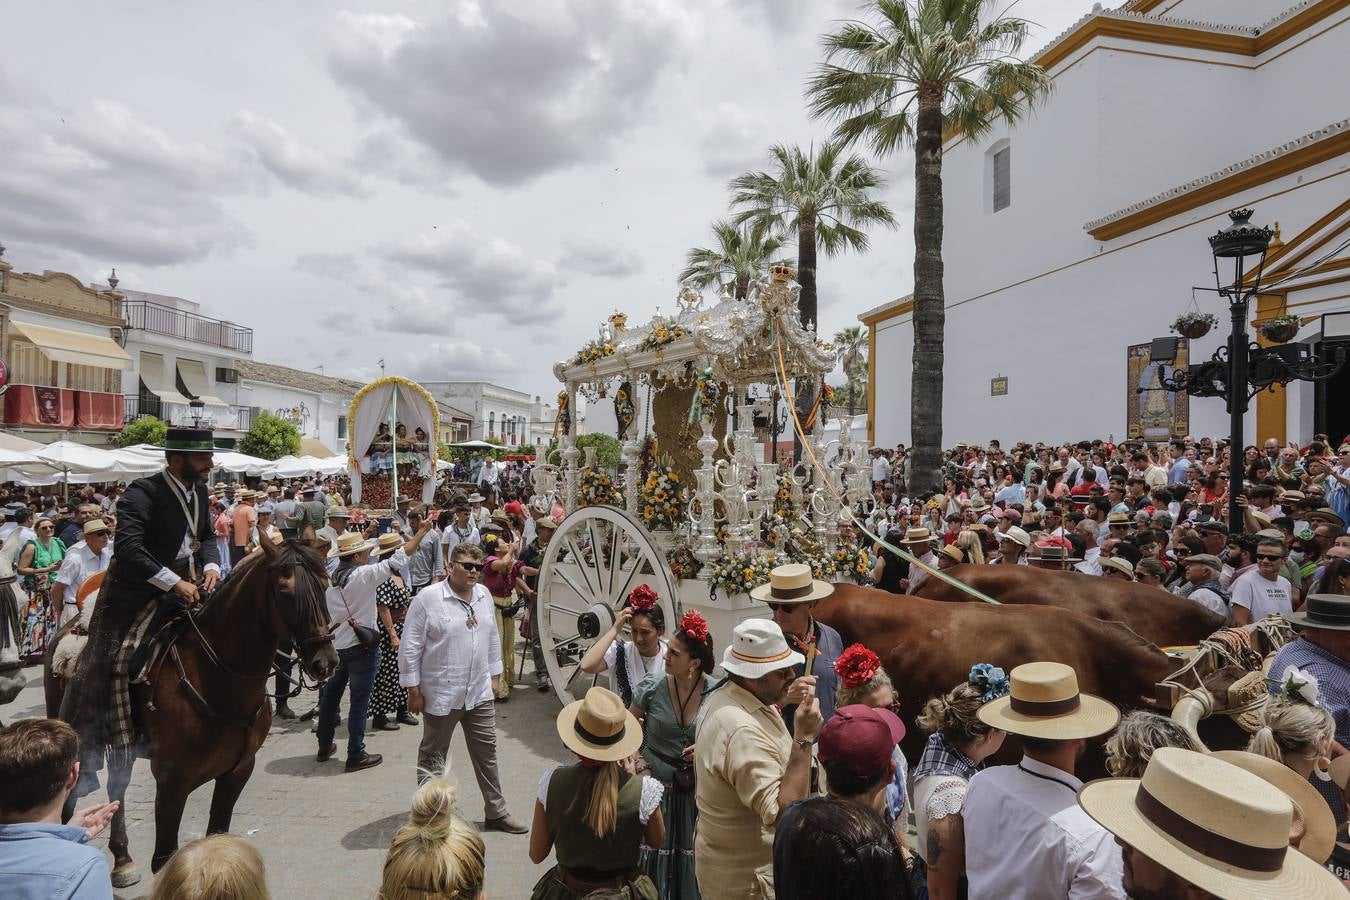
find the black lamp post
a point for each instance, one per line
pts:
(1237, 242)
(1241, 368)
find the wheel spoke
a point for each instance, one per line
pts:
(567, 579)
(616, 599)
(599, 548)
(553, 607)
(559, 642)
(592, 590)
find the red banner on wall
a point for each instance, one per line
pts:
(98, 410)
(45, 407)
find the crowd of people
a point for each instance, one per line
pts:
(782, 774)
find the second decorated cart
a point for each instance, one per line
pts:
(698, 509)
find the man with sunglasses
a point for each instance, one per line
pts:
(450, 660)
(1262, 591)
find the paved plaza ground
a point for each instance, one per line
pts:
(323, 832)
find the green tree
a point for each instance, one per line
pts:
(899, 77)
(145, 430)
(607, 449)
(850, 349)
(741, 254)
(270, 437)
(822, 198)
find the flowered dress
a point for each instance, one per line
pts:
(670, 866)
(388, 698)
(39, 622)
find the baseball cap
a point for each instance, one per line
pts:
(860, 738)
(514, 508)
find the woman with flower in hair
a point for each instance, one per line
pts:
(863, 680)
(667, 704)
(1297, 731)
(628, 662)
(957, 749)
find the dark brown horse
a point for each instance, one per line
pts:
(1154, 614)
(206, 709)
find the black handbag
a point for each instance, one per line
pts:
(366, 636)
(682, 779)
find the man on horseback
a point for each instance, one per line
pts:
(165, 553)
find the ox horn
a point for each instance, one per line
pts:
(1190, 709)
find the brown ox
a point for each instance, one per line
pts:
(928, 647)
(1154, 614)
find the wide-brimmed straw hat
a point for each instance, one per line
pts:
(758, 648)
(1120, 565)
(1325, 515)
(94, 526)
(1313, 830)
(1217, 826)
(1045, 703)
(1017, 536)
(386, 543)
(338, 512)
(599, 727)
(475, 497)
(954, 553)
(791, 583)
(1329, 611)
(348, 543)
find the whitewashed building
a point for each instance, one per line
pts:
(514, 417)
(317, 405)
(1081, 231)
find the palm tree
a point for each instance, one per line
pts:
(824, 199)
(742, 254)
(849, 350)
(918, 67)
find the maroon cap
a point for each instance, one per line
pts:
(861, 737)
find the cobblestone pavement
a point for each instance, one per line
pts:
(323, 832)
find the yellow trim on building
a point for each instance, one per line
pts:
(1272, 405)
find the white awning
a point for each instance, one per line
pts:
(193, 373)
(157, 379)
(75, 347)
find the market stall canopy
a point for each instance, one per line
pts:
(75, 347)
(193, 374)
(314, 447)
(14, 442)
(476, 445)
(72, 457)
(231, 461)
(302, 466)
(157, 380)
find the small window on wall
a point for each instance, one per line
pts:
(1002, 179)
(342, 427)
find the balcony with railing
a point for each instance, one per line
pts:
(228, 418)
(156, 318)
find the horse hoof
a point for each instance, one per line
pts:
(125, 876)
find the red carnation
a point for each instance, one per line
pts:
(694, 626)
(856, 666)
(642, 598)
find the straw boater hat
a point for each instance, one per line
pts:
(475, 497)
(338, 512)
(1045, 703)
(758, 648)
(348, 543)
(1325, 515)
(1314, 828)
(1120, 565)
(93, 526)
(1217, 826)
(1326, 611)
(1120, 518)
(954, 553)
(386, 543)
(917, 536)
(599, 727)
(791, 583)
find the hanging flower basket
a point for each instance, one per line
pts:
(1281, 329)
(1194, 324)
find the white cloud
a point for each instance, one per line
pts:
(293, 163)
(450, 359)
(592, 256)
(509, 91)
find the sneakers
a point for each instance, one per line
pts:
(325, 754)
(506, 824)
(364, 761)
(542, 684)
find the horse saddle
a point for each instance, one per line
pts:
(168, 620)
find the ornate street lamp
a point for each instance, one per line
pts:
(1239, 241)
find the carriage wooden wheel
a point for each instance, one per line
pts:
(598, 555)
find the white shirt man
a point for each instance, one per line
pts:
(881, 468)
(1262, 591)
(918, 576)
(450, 659)
(461, 530)
(81, 563)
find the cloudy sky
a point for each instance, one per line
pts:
(465, 188)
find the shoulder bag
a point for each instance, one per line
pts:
(366, 636)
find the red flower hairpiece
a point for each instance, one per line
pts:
(694, 626)
(642, 598)
(856, 666)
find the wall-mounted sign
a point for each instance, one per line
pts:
(1152, 412)
(998, 387)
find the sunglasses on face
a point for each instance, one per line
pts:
(780, 607)
(1269, 556)
(470, 566)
